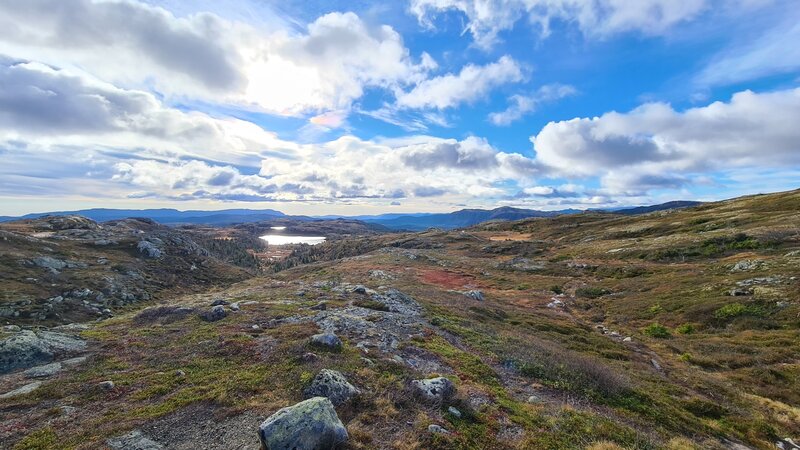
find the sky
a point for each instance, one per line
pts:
(357, 107)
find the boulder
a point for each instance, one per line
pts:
(216, 313)
(309, 425)
(438, 389)
(28, 348)
(148, 250)
(437, 429)
(332, 385)
(328, 340)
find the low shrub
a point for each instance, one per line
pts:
(656, 330)
(732, 310)
(685, 328)
(592, 292)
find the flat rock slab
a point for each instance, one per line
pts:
(47, 370)
(27, 348)
(135, 440)
(27, 389)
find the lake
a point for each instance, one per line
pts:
(282, 239)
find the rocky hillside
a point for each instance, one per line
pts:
(670, 330)
(68, 268)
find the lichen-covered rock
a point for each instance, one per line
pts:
(438, 389)
(28, 348)
(328, 340)
(332, 385)
(309, 425)
(27, 389)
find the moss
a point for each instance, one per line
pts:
(42, 439)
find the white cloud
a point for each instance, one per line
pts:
(524, 104)
(133, 45)
(774, 52)
(655, 146)
(59, 124)
(470, 84)
(595, 18)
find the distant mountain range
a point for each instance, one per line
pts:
(394, 221)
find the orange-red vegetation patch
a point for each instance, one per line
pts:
(450, 280)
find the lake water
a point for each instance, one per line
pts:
(281, 239)
(277, 228)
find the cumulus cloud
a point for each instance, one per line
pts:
(520, 105)
(471, 83)
(596, 18)
(43, 105)
(655, 146)
(134, 45)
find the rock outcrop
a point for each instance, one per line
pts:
(27, 348)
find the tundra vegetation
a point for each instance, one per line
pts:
(674, 330)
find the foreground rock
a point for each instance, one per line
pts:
(309, 425)
(332, 385)
(46, 370)
(27, 348)
(436, 390)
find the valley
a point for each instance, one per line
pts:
(669, 329)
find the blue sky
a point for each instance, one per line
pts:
(422, 105)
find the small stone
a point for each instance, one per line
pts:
(219, 302)
(475, 295)
(255, 327)
(180, 373)
(438, 389)
(454, 411)
(436, 429)
(321, 306)
(234, 307)
(107, 385)
(534, 399)
(627, 339)
(328, 340)
(310, 357)
(67, 410)
(359, 289)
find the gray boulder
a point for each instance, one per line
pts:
(328, 340)
(148, 250)
(309, 425)
(332, 385)
(437, 390)
(214, 314)
(28, 348)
